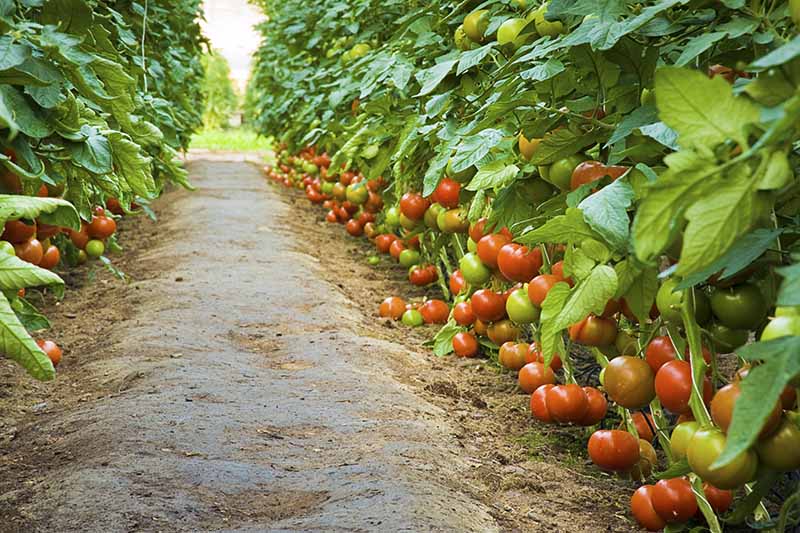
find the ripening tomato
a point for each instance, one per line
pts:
(52, 350)
(463, 315)
(479, 327)
(384, 242)
(519, 263)
(51, 258)
(413, 205)
(645, 425)
(567, 403)
(673, 500)
(720, 500)
(724, 402)
(781, 450)
(533, 375)
(629, 381)
(539, 286)
(488, 305)
(476, 229)
(659, 352)
(392, 307)
(613, 450)
(435, 312)
(594, 331)
(535, 356)
(457, 282)
(18, 231)
(674, 386)
(30, 251)
(648, 459)
(598, 406)
(512, 355)
(591, 171)
(370, 230)
(447, 192)
(502, 331)
(705, 447)
(489, 248)
(538, 403)
(465, 344)
(557, 269)
(643, 511)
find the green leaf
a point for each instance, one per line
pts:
(590, 295)
(471, 58)
(569, 228)
(760, 391)
(435, 172)
(641, 116)
(676, 469)
(662, 133)
(94, 154)
(702, 110)
(512, 206)
(779, 56)
(474, 148)
(17, 274)
(746, 250)
(17, 345)
(705, 508)
(551, 308)
(549, 69)
(577, 264)
(16, 112)
(606, 212)
(431, 78)
(789, 294)
(443, 341)
(563, 143)
(53, 211)
(697, 45)
(493, 176)
(11, 53)
(29, 316)
(641, 293)
(132, 165)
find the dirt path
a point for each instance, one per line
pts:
(238, 385)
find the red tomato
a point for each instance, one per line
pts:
(518, 263)
(645, 425)
(598, 406)
(17, 231)
(46, 231)
(51, 258)
(674, 386)
(557, 269)
(534, 375)
(720, 500)
(413, 205)
(539, 403)
(478, 230)
(590, 171)
(535, 355)
(447, 192)
(392, 307)
(384, 242)
(435, 312)
(540, 286)
(102, 227)
(457, 282)
(723, 403)
(659, 352)
(489, 248)
(643, 511)
(395, 248)
(613, 450)
(331, 217)
(512, 355)
(422, 275)
(463, 315)
(114, 206)
(465, 344)
(487, 305)
(52, 350)
(30, 251)
(567, 403)
(674, 500)
(354, 228)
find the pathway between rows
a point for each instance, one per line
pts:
(264, 411)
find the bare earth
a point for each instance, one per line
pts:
(240, 382)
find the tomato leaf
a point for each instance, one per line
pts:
(551, 331)
(703, 111)
(590, 295)
(17, 344)
(676, 469)
(443, 341)
(494, 175)
(53, 211)
(430, 78)
(705, 507)
(790, 288)
(471, 58)
(474, 148)
(641, 293)
(779, 56)
(16, 274)
(760, 390)
(760, 489)
(606, 212)
(641, 116)
(569, 228)
(563, 143)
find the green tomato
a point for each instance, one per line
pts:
(357, 193)
(95, 248)
(392, 216)
(669, 303)
(508, 34)
(374, 260)
(705, 447)
(453, 220)
(476, 24)
(781, 450)
(412, 317)
(560, 172)
(781, 326)
(463, 42)
(7, 248)
(474, 271)
(544, 27)
(408, 223)
(680, 438)
(359, 51)
(326, 187)
(727, 340)
(520, 309)
(740, 307)
(82, 257)
(432, 214)
(648, 96)
(409, 257)
(602, 377)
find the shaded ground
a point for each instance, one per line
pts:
(240, 383)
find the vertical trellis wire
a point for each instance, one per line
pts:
(144, 33)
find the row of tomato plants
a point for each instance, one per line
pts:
(613, 184)
(94, 108)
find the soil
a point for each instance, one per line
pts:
(240, 381)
